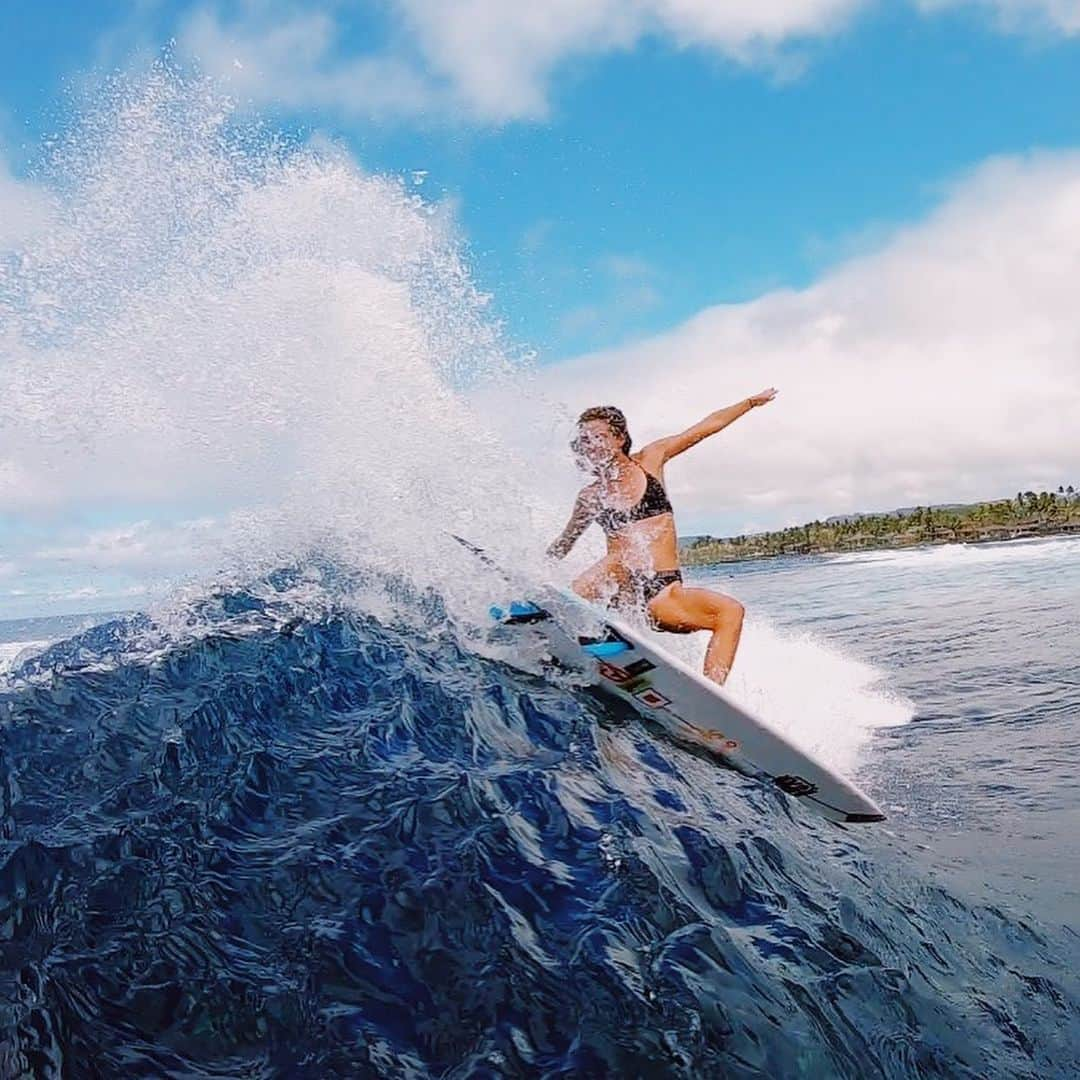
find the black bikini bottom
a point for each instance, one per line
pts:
(649, 586)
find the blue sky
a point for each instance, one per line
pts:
(873, 205)
(663, 179)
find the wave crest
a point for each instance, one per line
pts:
(333, 843)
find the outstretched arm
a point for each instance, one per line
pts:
(714, 422)
(580, 519)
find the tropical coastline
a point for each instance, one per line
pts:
(1028, 514)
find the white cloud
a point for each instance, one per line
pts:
(944, 366)
(24, 209)
(500, 57)
(104, 546)
(86, 592)
(1061, 16)
(294, 61)
(103, 568)
(138, 546)
(493, 60)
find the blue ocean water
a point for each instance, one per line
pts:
(289, 841)
(312, 824)
(984, 642)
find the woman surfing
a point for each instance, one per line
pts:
(627, 500)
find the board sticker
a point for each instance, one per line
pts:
(652, 698)
(795, 785)
(613, 673)
(625, 665)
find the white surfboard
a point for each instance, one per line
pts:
(623, 663)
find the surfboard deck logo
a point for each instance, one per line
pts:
(624, 663)
(661, 688)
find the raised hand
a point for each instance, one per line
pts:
(762, 398)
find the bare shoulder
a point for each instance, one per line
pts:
(652, 457)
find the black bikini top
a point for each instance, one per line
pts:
(652, 503)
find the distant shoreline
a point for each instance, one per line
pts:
(1029, 515)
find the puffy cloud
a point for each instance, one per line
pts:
(494, 61)
(945, 366)
(501, 56)
(491, 59)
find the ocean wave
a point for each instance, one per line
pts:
(270, 839)
(319, 826)
(1015, 551)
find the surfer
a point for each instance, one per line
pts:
(627, 500)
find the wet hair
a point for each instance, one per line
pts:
(614, 419)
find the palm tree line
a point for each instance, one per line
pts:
(1030, 513)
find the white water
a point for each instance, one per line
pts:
(827, 703)
(216, 327)
(1014, 552)
(238, 351)
(12, 652)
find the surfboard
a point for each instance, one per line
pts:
(623, 663)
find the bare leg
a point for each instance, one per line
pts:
(602, 583)
(681, 609)
(724, 643)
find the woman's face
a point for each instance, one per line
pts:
(595, 444)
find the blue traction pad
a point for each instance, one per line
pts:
(606, 648)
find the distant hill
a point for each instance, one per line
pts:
(902, 512)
